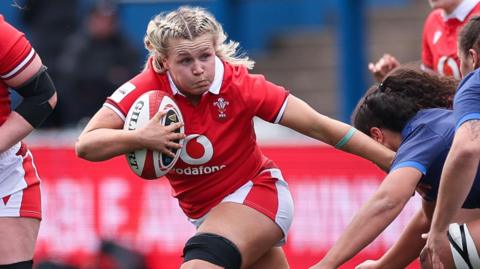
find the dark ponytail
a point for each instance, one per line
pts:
(405, 91)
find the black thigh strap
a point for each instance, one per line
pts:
(214, 249)
(18, 265)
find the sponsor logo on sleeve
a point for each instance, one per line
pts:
(123, 91)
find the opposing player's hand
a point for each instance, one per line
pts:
(381, 68)
(429, 257)
(368, 264)
(155, 136)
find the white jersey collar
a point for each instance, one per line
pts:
(462, 11)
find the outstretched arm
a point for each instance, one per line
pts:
(379, 211)
(300, 117)
(407, 248)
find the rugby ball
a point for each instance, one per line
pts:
(146, 163)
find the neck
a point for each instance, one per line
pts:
(449, 9)
(193, 99)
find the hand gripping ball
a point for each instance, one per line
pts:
(146, 163)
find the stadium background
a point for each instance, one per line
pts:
(101, 216)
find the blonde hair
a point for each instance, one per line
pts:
(189, 23)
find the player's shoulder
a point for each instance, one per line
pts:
(421, 138)
(234, 72)
(470, 81)
(145, 81)
(10, 35)
(147, 78)
(434, 17)
(7, 31)
(241, 76)
(234, 76)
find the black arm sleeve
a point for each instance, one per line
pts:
(36, 92)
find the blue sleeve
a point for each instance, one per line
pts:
(466, 105)
(419, 150)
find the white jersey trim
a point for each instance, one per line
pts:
(13, 206)
(462, 10)
(12, 173)
(116, 110)
(30, 55)
(282, 110)
(284, 214)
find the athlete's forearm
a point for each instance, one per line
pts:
(304, 119)
(363, 146)
(103, 144)
(13, 130)
(369, 222)
(408, 246)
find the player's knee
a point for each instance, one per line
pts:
(214, 249)
(18, 265)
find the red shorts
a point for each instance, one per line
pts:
(19, 184)
(267, 193)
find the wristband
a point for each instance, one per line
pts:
(345, 139)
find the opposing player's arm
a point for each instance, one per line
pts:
(374, 216)
(408, 246)
(39, 99)
(104, 138)
(299, 116)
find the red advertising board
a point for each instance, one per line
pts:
(85, 202)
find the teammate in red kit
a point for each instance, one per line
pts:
(439, 40)
(235, 196)
(20, 208)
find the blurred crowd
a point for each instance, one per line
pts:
(87, 55)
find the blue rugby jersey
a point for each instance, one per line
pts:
(466, 105)
(427, 138)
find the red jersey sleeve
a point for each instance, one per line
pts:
(15, 51)
(427, 56)
(123, 98)
(263, 98)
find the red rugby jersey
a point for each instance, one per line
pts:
(220, 152)
(16, 53)
(439, 41)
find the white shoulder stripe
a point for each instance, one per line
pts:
(282, 110)
(116, 110)
(27, 59)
